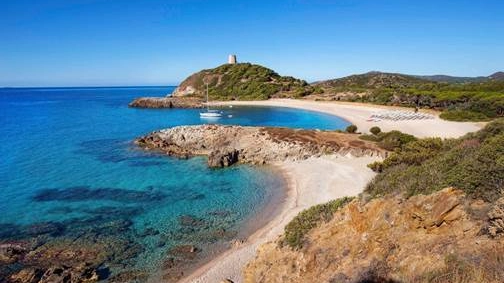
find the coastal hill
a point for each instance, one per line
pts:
(480, 98)
(237, 81)
(242, 81)
(452, 79)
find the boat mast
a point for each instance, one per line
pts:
(207, 106)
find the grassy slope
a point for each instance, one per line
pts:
(473, 163)
(246, 81)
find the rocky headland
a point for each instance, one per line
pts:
(226, 145)
(242, 81)
(167, 102)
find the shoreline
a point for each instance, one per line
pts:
(348, 176)
(358, 114)
(250, 227)
(318, 179)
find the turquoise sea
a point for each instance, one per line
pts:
(70, 175)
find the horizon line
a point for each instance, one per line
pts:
(113, 86)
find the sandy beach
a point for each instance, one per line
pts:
(309, 182)
(318, 180)
(359, 113)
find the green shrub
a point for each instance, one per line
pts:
(310, 218)
(473, 163)
(390, 140)
(463, 115)
(394, 139)
(351, 129)
(375, 130)
(412, 153)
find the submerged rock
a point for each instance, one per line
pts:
(191, 221)
(130, 276)
(184, 251)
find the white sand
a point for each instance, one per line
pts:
(358, 113)
(318, 180)
(310, 182)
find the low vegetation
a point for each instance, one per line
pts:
(486, 267)
(473, 163)
(389, 140)
(308, 219)
(463, 116)
(468, 101)
(375, 130)
(351, 129)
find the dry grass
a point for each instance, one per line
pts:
(485, 266)
(330, 139)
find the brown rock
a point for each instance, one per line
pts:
(83, 273)
(496, 217)
(386, 240)
(226, 145)
(166, 102)
(27, 275)
(446, 207)
(222, 158)
(11, 252)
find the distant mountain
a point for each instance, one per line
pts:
(497, 76)
(452, 79)
(379, 79)
(371, 80)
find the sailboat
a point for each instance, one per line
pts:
(210, 113)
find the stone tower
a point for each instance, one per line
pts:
(232, 59)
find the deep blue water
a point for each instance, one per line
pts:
(67, 163)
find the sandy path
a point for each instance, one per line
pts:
(358, 113)
(310, 182)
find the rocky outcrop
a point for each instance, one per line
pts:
(427, 238)
(226, 145)
(167, 102)
(223, 158)
(496, 215)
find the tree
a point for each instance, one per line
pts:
(375, 130)
(351, 129)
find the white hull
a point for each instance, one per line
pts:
(210, 115)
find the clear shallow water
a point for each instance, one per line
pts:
(68, 169)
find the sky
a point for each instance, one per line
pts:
(122, 43)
